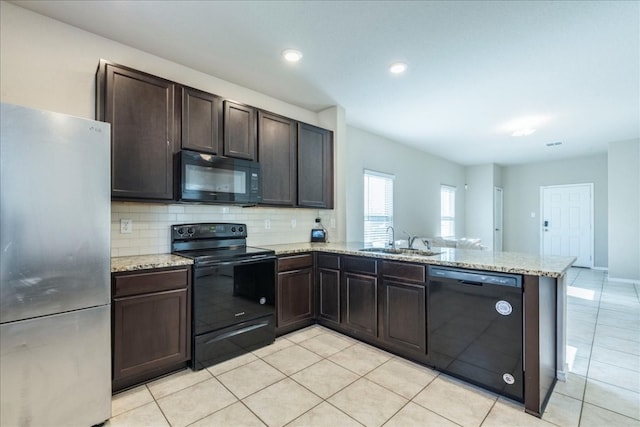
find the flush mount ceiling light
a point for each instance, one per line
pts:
(398, 68)
(292, 55)
(524, 126)
(523, 132)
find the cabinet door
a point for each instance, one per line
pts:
(329, 295)
(140, 108)
(361, 303)
(315, 167)
(150, 331)
(277, 157)
(201, 121)
(239, 131)
(295, 296)
(404, 319)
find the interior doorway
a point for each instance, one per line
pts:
(497, 219)
(567, 222)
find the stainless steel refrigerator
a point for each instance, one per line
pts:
(55, 349)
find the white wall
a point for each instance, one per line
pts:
(624, 210)
(50, 65)
(418, 176)
(479, 203)
(522, 197)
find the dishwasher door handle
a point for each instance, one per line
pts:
(468, 282)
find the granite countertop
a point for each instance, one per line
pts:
(505, 262)
(147, 262)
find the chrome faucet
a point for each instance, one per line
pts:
(392, 243)
(427, 243)
(410, 240)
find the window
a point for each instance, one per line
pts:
(378, 207)
(447, 211)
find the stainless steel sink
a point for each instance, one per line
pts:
(400, 251)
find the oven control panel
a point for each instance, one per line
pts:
(214, 230)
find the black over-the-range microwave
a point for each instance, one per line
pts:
(206, 178)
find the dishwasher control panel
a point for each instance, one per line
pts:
(473, 277)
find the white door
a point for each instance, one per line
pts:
(567, 218)
(497, 219)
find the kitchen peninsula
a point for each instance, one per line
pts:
(543, 309)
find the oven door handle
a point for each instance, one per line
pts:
(257, 258)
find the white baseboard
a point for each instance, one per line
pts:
(561, 375)
(616, 279)
(600, 268)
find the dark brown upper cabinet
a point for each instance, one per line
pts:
(277, 157)
(240, 131)
(140, 108)
(152, 119)
(315, 167)
(201, 121)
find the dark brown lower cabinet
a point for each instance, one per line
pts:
(151, 324)
(328, 289)
(404, 316)
(359, 293)
(361, 303)
(295, 293)
(329, 296)
(403, 306)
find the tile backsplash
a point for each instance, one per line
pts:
(151, 223)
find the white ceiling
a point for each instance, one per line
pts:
(473, 66)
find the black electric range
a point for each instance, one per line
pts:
(233, 302)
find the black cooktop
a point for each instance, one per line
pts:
(222, 254)
(212, 242)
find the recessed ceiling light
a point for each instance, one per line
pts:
(292, 55)
(398, 68)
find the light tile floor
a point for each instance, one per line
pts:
(317, 377)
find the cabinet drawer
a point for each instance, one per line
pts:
(404, 271)
(329, 261)
(359, 265)
(295, 262)
(142, 283)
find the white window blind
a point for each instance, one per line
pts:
(447, 211)
(378, 207)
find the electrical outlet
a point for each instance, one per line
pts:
(126, 226)
(225, 210)
(267, 224)
(293, 223)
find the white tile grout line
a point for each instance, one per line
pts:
(584, 391)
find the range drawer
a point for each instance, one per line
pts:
(295, 262)
(137, 283)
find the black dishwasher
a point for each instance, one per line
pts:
(475, 327)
